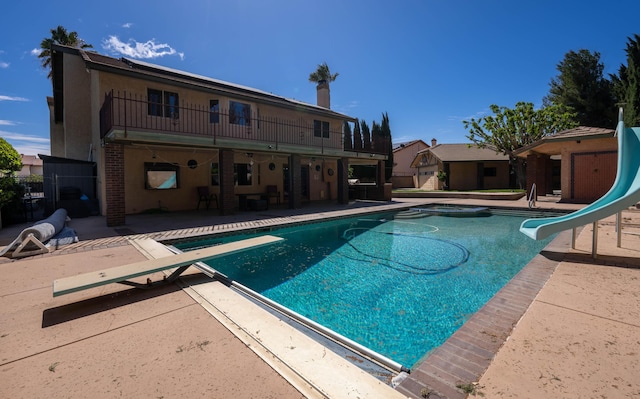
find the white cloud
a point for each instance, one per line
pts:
(26, 144)
(9, 136)
(36, 51)
(4, 64)
(32, 149)
(4, 122)
(127, 25)
(134, 49)
(8, 98)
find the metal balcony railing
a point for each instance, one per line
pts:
(129, 113)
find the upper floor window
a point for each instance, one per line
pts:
(163, 103)
(239, 113)
(154, 97)
(321, 129)
(171, 105)
(214, 111)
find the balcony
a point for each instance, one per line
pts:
(130, 117)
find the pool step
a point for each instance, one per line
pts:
(410, 214)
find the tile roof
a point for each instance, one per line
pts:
(577, 133)
(126, 65)
(465, 152)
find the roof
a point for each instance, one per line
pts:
(31, 160)
(550, 145)
(464, 153)
(140, 69)
(400, 146)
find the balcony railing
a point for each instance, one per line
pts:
(130, 113)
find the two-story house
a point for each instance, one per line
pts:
(157, 134)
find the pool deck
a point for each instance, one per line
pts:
(575, 336)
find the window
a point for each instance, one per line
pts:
(239, 113)
(155, 102)
(321, 129)
(163, 103)
(171, 105)
(490, 172)
(215, 174)
(242, 174)
(214, 111)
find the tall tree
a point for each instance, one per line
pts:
(59, 35)
(510, 129)
(366, 136)
(582, 86)
(10, 162)
(385, 129)
(357, 137)
(348, 143)
(376, 137)
(322, 74)
(627, 83)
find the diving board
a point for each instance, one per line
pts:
(624, 193)
(182, 261)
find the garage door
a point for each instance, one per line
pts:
(592, 174)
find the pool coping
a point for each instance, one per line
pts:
(465, 356)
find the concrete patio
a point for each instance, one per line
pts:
(577, 338)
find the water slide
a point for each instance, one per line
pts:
(624, 192)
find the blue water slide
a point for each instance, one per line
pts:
(624, 192)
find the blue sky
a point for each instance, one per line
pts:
(428, 63)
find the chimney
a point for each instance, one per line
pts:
(434, 142)
(323, 95)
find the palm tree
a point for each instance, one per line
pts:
(322, 74)
(59, 35)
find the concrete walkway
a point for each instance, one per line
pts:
(576, 339)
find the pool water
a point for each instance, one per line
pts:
(399, 286)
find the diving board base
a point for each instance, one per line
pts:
(122, 274)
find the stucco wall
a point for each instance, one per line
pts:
(77, 110)
(139, 199)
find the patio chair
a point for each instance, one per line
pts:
(205, 195)
(272, 192)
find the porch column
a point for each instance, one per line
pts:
(295, 182)
(343, 181)
(384, 188)
(114, 181)
(227, 190)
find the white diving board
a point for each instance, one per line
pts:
(182, 261)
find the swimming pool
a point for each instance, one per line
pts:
(399, 284)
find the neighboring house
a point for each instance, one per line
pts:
(156, 134)
(467, 167)
(31, 165)
(588, 163)
(403, 155)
